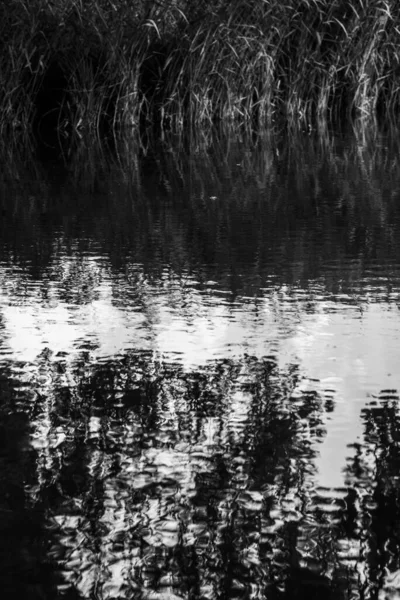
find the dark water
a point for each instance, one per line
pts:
(200, 371)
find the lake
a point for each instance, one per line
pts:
(199, 369)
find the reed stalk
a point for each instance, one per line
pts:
(87, 67)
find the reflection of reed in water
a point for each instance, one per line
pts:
(341, 206)
(303, 582)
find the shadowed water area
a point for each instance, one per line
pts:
(199, 371)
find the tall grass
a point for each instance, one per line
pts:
(79, 67)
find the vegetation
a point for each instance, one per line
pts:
(76, 66)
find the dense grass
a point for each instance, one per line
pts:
(78, 66)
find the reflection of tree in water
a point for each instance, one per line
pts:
(162, 483)
(158, 480)
(374, 472)
(24, 569)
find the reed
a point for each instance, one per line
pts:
(82, 68)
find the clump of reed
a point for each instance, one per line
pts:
(84, 67)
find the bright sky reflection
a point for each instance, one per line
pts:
(332, 344)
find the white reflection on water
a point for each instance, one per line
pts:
(353, 353)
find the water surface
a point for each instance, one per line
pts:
(199, 350)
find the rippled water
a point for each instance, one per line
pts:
(199, 371)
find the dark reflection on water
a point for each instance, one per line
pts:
(199, 352)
